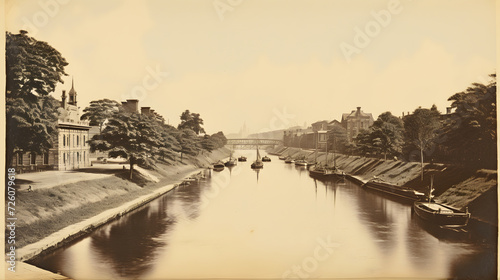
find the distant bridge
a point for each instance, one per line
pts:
(254, 142)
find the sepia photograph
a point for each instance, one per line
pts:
(250, 139)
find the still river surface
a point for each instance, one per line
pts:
(277, 223)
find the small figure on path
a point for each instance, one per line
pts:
(30, 189)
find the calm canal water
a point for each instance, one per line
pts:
(277, 223)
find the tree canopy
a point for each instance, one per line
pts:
(131, 136)
(99, 111)
(471, 134)
(191, 121)
(421, 130)
(33, 69)
(387, 134)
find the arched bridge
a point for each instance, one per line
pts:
(254, 142)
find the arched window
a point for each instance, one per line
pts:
(64, 158)
(20, 158)
(64, 140)
(46, 158)
(77, 140)
(33, 158)
(84, 140)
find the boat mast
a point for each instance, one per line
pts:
(316, 150)
(326, 150)
(334, 161)
(431, 188)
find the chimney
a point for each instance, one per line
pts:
(63, 98)
(358, 111)
(448, 110)
(146, 111)
(133, 105)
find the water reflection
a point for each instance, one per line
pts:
(259, 224)
(129, 245)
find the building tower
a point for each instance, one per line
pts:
(72, 94)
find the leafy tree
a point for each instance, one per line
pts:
(421, 130)
(33, 69)
(169, 143)
(215, 141)
(31, 127)
(99, 111)
(219, 139)
(189, 142)
(208, 143)
(387, 134)
(132, 136)
(363, 142)
(191, 121)
(471, 132)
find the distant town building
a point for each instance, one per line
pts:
(356, 121)
(320, 125)
(70, 148)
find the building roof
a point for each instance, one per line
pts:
(356, 113)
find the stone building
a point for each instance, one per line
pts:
(70, 148)
(356, 121)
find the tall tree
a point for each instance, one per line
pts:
(131, 136)
(364, 143)
(191, 121)
(421, 130)
(189, 142)
(99, 111)
(33, 69)
(387, 134)
(168, 143)
(471, 130)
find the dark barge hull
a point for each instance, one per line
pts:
(453, 219)
(396, 191)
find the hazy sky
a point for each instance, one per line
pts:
(269, 63)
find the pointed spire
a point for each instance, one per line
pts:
(72, 93)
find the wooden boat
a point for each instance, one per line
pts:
(323, 170)
(289, 160)
(282, 157)
(231, 161)
(257, 164)
(398, 191)
(301, 162)
(440, 214)
(266, 158)
(320, 170)
(218, 166)
(242, 158)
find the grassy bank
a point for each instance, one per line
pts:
(45, 211)
(455, 186)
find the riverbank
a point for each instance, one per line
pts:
(455, 186)
(49, 218)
